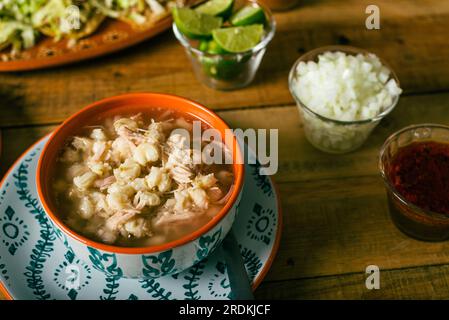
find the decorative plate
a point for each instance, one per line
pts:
(34, 264)
(111, 36)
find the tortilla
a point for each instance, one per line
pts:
(87, 28)
(150, 19)
(95, 19)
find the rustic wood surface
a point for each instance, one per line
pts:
(336, 219)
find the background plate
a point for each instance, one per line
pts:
(111, 36)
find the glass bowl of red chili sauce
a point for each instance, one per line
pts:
(414, 163)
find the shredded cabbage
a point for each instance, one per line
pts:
(137, 18)
(117, 8)
(19, 34)
(130, 9)
(19, 10)
(156, 7)
(22, 21)
(50, 16)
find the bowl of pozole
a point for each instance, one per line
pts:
(141, 185)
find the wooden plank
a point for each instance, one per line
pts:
(341, 226)
(16, 141)
(428, 282)
(412, 39)
(298, 160)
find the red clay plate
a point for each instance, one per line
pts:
(111, 36)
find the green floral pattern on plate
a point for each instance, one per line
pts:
(44, 246)
(31, 272)
(193, 277)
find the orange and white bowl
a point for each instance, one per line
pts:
(139, 262)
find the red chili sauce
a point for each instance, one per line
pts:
(420, 173)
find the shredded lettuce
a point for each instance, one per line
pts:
(19, 10)
(56, 17)
(131, 9)
(19, 34)
(156, 7)
(118, 7)
(22, 21)
(49, 16)
(137, 18)
(106, 8)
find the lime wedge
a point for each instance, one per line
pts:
(248, 15)
(194, 24)
(210, 46)
(203, 45)
(214, 48)
(222, 8)
(238, 39)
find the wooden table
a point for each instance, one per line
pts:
(335, 210)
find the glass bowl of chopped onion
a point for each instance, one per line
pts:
(342, 94)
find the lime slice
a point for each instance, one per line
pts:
(194, 24)
(248, 15)
(238, 39)
(222, 8)
(204, 45)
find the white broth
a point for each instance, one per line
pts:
(131, 181)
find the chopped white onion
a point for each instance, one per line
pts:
(347, 88)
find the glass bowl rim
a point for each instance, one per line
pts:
(261, 45)
(348, 50)
(416, 209)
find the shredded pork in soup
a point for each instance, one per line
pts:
(131, 181)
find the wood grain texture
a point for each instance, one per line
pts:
(336, 220)
(428, 282)
(412, 39)
(341, 226)
(16, 141)
(298, 160)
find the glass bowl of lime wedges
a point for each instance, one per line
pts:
(225, 40)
